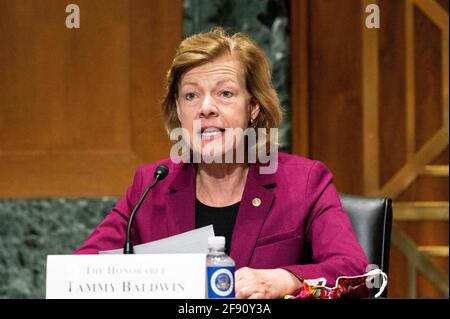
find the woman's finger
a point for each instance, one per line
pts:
(256, 295)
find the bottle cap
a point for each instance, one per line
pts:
(217, 242)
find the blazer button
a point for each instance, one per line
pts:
(256, 202)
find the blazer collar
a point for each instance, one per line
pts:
(181, 200)
(256, 202)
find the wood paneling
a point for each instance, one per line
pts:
(335, 71)
(444, 4)
(392, 124)
(442, 158)
(409, 78)
(397, 267)
(300, 77)
(156, 33)
(79, 108)
(428, 85)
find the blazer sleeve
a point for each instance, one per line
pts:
(110, 233)
(335, 251)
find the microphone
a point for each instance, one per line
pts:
(160, 173)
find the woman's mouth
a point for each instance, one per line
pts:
(210, 133)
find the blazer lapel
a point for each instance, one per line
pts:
(255, 205)
(181, 201)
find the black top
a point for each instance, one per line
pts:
(222, 219)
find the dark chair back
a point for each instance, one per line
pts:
(371, 218)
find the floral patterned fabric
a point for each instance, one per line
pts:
(317, 289)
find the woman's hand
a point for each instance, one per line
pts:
(265, 283)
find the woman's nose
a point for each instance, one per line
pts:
(208, 107)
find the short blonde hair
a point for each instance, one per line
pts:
(205, 47)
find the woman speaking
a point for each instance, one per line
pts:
(280, 214)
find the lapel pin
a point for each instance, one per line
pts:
(256, 202)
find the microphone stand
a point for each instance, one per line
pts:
(159, 175)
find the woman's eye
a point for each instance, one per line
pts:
(227, 94)
(189, 96)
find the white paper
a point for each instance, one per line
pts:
(191, 242)
(155, 276)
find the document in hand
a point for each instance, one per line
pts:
(191, 242)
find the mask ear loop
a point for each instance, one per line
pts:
(383, 285)
(384, 277)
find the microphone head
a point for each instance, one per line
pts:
(161, 172)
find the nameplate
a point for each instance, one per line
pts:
(155, 276)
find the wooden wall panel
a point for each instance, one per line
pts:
(397, 266)
(394, 77)
(156, 33)
(392, 85)
(441, 159)
(428, 86)
(335, 90)
(300, 77)
(428, 104)
(79, 107)
(444, 4)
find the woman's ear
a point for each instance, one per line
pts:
(178, 110)
(254, 109)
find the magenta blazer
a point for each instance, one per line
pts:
(300, 224)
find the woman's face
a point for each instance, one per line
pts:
(215, 94)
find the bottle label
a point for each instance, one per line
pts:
(220, 282)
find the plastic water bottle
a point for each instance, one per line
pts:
(219, 269)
